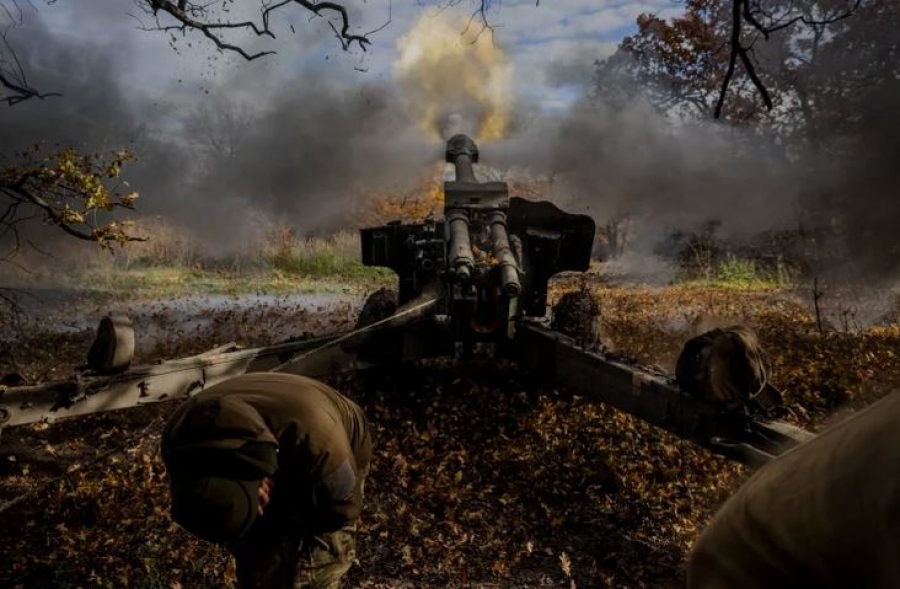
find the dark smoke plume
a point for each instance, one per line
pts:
(302, 144)
(632, 160)
(625, 158)
(92, 111)
(306, 155)
(262, 142)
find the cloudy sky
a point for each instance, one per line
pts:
(551, 45)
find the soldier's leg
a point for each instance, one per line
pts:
(325, 559)
(266, 561)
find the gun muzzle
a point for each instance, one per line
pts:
(462, 153)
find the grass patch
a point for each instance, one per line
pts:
(735, 273)
(281, 262)
(173, 263)
(327, 265)
(163, 281)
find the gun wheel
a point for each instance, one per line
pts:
(379, 305)
(113, 347)
(577, 315)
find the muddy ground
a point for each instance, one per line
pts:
(481, 479)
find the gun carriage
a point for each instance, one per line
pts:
(472, 283)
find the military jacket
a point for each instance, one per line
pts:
(324, 445)
(824, 514)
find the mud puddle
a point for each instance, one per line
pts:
(248, 319)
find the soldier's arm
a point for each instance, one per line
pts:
(324, 487)
(723, 559)
(822, 514)
(166, 440)
(337, 493)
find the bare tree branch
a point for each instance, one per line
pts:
(14, 86)
(732, 58)
(754, 77)
(386, 22)
(743, 12)
(481, 14)
(16, 93)
(767, 31)
(202, 17)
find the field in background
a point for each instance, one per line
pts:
(172, 263)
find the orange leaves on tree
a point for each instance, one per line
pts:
(78, 192)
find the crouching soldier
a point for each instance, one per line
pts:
(272, 466)
(824, 514)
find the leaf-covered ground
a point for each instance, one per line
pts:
(480, 480)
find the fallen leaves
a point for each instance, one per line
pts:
(541, 471)
(480, 478)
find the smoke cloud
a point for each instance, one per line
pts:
(630, 160)
(455, 83)
(262, 143)
(91, 112)
(307, 154)
(303, 143)
(620, 158)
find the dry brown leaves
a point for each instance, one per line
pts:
(819, 372)
(480, 479)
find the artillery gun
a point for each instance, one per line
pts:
(474, 282)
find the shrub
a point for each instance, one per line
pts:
(737, 271)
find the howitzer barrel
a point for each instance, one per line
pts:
(509, 270)
(460, 247)
(462, 153)
(464, 170)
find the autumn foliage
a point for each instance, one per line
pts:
(75, 191)
(412, 205)
(680, 64)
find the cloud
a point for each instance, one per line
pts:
(154, 68)
(577, 20)
(572, 64)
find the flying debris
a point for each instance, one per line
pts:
(471, 284)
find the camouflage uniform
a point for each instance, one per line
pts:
(294, 561)
(307, 534)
